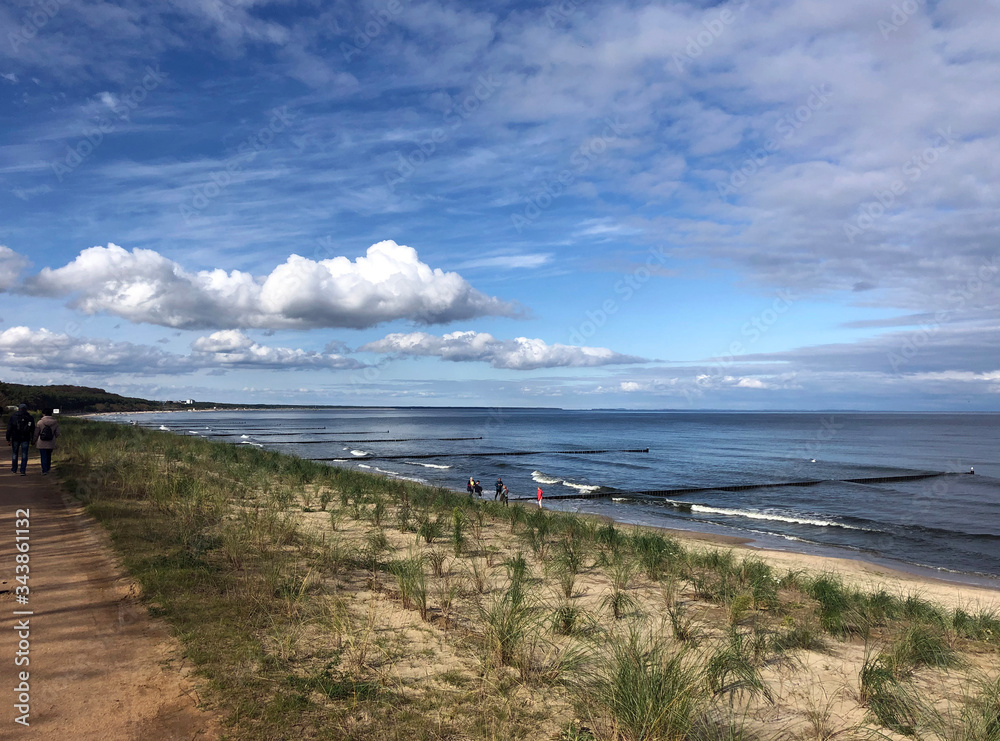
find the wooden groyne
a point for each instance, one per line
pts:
(293, 434)
(667, 493)
(339, 440)
(478, 455)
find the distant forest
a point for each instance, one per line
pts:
(78, 399)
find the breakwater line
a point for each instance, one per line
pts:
(481, 455)
(293, 434)
(651, 493)
(395, 440)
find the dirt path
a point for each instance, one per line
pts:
(100, 668)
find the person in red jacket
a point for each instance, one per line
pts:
(539, 497)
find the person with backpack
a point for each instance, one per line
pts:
(20, 431)
(46, 432)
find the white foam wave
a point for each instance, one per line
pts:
(359, 452)
(425, 465)
(765, 516)
(541, 478)
(584, 488)
(362, 465)
(164, 428)
(244, 437)
(544, 478)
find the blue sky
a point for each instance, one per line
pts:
(739, 205)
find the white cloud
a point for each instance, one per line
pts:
(11, 265)
(231, 347)
(520, 353)
(389, 283)
(42, 350)
(223, 341)
(509, 262)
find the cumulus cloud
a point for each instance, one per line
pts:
(43, 350)
(230, 347)
(389, 282)
(521, 353)
(223, 342)
(11, 265)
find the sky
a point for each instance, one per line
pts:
(760, 205)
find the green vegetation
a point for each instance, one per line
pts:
(80, 399)
(85, 400)
(319, 602)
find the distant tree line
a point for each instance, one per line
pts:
(79, 399)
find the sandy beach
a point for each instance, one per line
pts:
(389, 609)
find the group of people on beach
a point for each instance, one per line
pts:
(22, 432)
(502, 493)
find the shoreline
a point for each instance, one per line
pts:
(873, 564)
(859, 572)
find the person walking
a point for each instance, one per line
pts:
(539, 497)
(470, 487)
(20, 432)
(478, 488)
(46, 432)
(499, 489)
(504, 495)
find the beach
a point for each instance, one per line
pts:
(330, 601)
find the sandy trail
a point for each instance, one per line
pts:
(100, 667)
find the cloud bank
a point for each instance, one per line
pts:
(232, 348)
(43, 350)
(389, 283)
(520, 353)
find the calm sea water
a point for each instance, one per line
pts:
(949, 523)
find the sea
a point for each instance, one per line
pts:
(607, 462)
